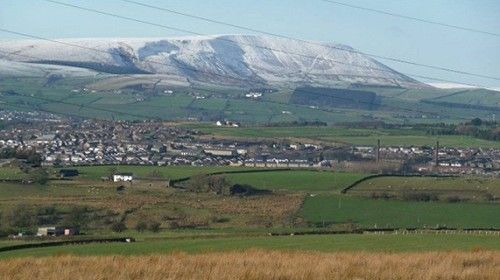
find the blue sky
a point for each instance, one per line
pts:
(305, 19)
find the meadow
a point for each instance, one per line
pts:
(166, 172)
(258, 264)
(397, 105)
(339, 135)
(316, 243)
(301, 202)
(12, 173)
(470, 188)
(380, 213)
(298, 180)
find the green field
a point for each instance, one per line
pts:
(371, 213)
(12, 173)
(168, 172)
(324, 243)
(471, 188)
(388, 137)
(397, 105)
(304, 201)
(299, 180)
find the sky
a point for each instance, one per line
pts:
(304, 19)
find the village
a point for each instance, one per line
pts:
(63, 142)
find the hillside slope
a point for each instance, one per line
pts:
(220, 59)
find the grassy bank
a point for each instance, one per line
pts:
(324, 243)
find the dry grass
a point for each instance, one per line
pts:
(258, 264)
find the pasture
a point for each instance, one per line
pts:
(471, 188)
(321, 243)
(12, 173)
(380, 213)
(298, 180)
(339, 135)
(166, 172)
(227, 103)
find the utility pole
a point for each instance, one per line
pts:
(436, 155)
(378, 150)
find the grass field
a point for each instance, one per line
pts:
(391, 213)
(471, 188)
(299, 180)
(259, 264)
(168, 172)
(12, 173)
(323, 243)
(388, 137)
(226, 103)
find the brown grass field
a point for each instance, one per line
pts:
(259, 264)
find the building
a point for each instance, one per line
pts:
(71, 231)
(220, 152)
(123, 177)
(50, 231)
(65, 173)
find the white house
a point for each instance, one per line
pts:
(123, 177)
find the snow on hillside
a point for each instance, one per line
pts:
(460, 86)
(20, 69)
(213, 59)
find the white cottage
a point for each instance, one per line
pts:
(123, 177)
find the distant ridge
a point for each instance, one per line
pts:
(209, 59)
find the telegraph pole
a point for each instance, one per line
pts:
(436, 154)
(378, 150)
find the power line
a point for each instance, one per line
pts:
(108, 53)
(387, 13)
(283, 36)
(202, 71)
(216, 38)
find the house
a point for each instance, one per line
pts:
(123, 177)
(50, 231)
(65, 173)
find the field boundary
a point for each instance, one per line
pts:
(66, 242)
(369, 177)
(180, 180)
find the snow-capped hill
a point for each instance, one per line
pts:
(228, 59)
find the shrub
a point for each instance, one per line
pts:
(154, 226)
(78, 217)
(20, 216)
(245, 190)
(454, 199)
(118, 227)
(420, 197)
(141, 226)
(39, 176)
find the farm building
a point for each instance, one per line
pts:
(50, 231)
(57, 231)
(65, 173)
(123, 177)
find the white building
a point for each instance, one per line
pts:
(123, 177)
